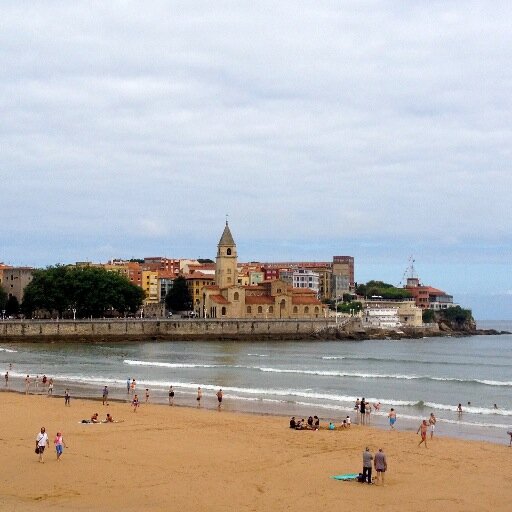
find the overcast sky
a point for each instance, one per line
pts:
(374, 129)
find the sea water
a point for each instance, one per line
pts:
(415, 377)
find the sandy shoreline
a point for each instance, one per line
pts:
(164, 458)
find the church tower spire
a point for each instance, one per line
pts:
(226, 273)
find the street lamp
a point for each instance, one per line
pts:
(74, 314)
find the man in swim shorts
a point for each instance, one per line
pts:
(423, 429)
(219, 397)
(392, 418)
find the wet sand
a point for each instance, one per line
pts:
(177, 458)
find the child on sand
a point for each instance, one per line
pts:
(147, 395)
(135, 403)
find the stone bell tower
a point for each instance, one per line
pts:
(226, 273)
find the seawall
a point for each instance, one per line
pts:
(173, 330)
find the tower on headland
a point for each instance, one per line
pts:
(226, 273)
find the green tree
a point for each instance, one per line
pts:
(382, 289)
(346, 307)
(91, 291)
(178, 298)
(3, 298)
(12, 306)
(428, 316)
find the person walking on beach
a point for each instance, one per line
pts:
(381, 465)
(27, 384)
(105, 395)
(459, 410)
(41, 443)
(128, 386)
(37, 383)
(423, 429)
(367, 466)
(368, 413)
(67, 397)
(219, 398)
(59, 445)
(199, 396)
(6, 379)
(432, 422)
(45, 378)
(392, 418)
(50, 386)
(135, 403)
(171, 396)
(362, 411)
(147, 395)
(132, 386)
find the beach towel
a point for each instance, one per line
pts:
(347, 477)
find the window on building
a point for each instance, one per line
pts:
(260, 309)
(271, 309)
(223, 311)
(295, 309)
(228, 252)
(306, 309)
(317, 309)
(236, 296)
(249, 310)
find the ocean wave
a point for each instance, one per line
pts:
(170, 365)
(414, 361)
(258, 355)
(334, 373)
(9, 350)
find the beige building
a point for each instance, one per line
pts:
(408, 313)
(267, 300)
(15, 279)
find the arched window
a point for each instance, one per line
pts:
(317, 309)
(279, 290)
(236, 296)
(306, 309)
(223, 311)
(271, 309)
(228, 252)
(249, 310)
(295, 309)
(260, 309)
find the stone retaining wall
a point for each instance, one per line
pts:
(165, 329)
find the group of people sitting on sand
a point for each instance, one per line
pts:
(313, 423)
(95, 419)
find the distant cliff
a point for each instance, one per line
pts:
(456, 320)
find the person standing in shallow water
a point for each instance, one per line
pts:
(362, 410)
(171, 395)
(392, 418)
(219, 398)
(199, 396)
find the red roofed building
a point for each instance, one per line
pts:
(427, 297)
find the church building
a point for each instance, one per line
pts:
(274, 299)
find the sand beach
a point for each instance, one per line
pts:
(178, 458)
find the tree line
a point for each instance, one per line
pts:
(90, 291)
